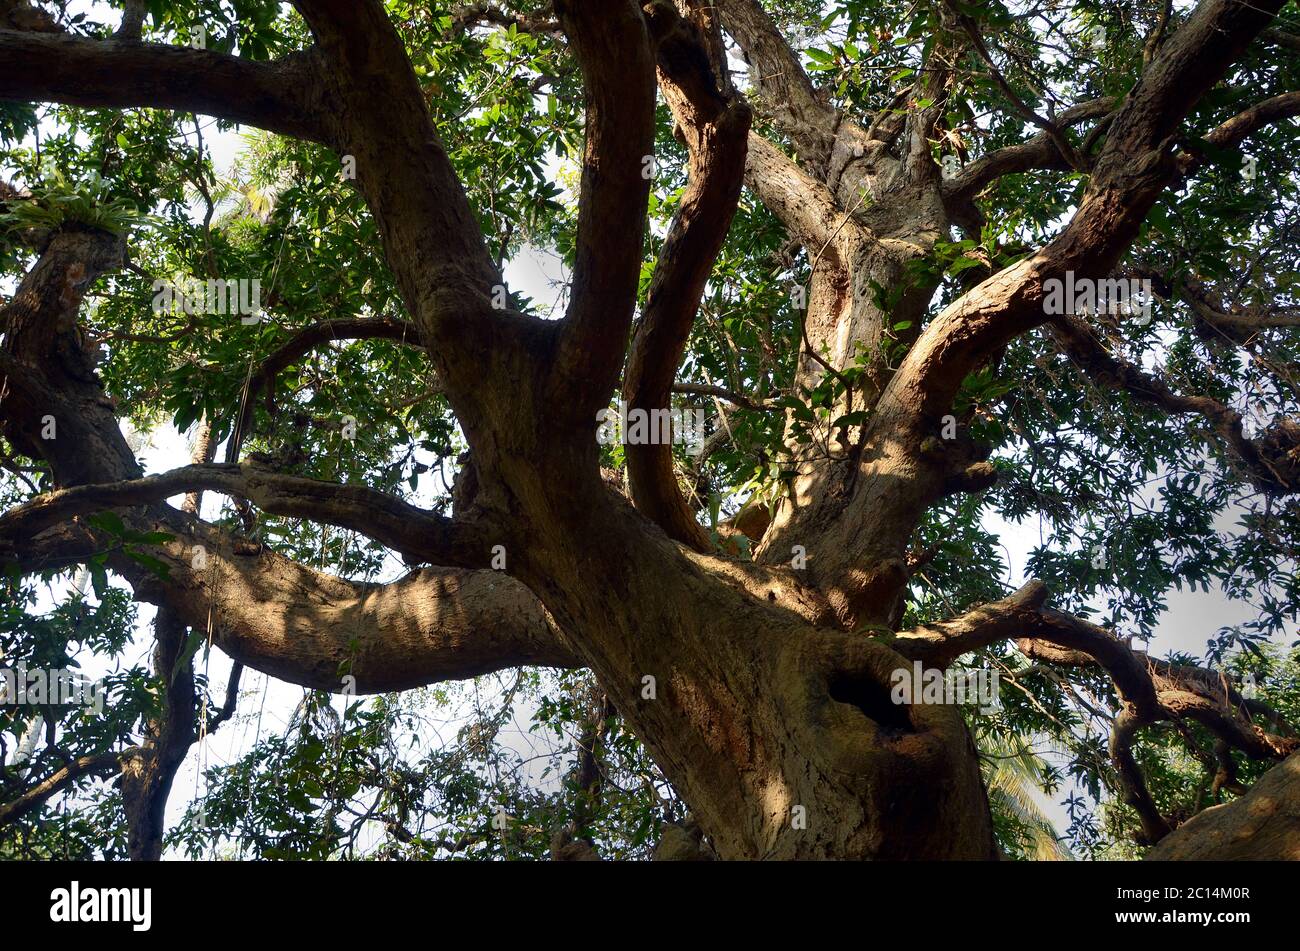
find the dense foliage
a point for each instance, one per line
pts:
(1118, 506)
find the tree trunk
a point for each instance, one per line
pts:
(147, 772)
(781, 734)
(756, 686)
(1263, 825)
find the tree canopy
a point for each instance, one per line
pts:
(939, 279)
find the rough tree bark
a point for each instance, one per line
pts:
(753, 685)
(1264, 823)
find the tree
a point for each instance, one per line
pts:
(908, 262)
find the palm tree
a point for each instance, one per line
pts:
(1012, 773)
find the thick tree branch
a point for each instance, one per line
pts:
(148, 769)
(1244, 124)
(56, 549)
(1133, 169)
(784, 91)
(1039, 152)
(613, 48)
(1132, 783)
(432, 239)
(1024, 615)
(301, 343)
(47, 373)
(1267, 460)
(804, 205)
(283, 96)
(133, 14)
(100, 764)
(1150, 690)
(905, 465)
(279, 617)
(415, 533)
(1263, 824)
(715, 128)
(314, 629)
(472, 14)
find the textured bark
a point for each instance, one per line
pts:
(715, 126)
(902, 466)
(148, 770)
(52, 374)
(1262, 825)
(1150, 690)
(779, 81)
(877, 207)
(406, 529)
(767, 713)
(874, 779)
(52, 67)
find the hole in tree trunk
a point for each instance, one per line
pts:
(873, 700)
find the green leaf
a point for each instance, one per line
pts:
(159, 568)
(192, 646)
(108, 521)
(98, 579)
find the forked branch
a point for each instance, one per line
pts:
(715, 127)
